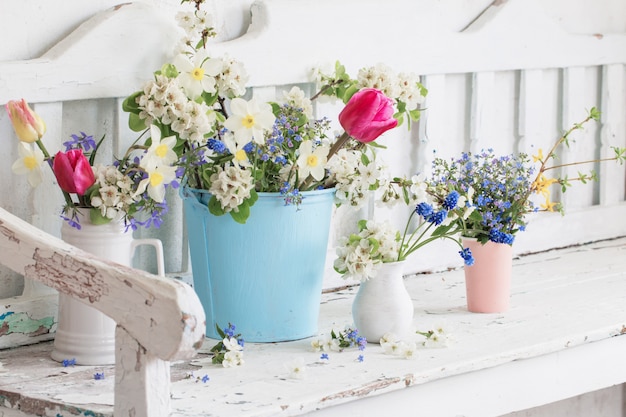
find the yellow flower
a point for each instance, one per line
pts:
(542, 183)
(28, 126)
(548, 205)
(539, 156)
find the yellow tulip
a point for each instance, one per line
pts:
(27, 124)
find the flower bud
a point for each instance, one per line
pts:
(367, 115)
(73, 171)
(28, 126)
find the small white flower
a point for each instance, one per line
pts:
(331, 345)
(232, 79)
(297, 368)
(317, 345)
(231, 344)
(391, 347)
(407, 350)
(297, 98)
(233, 358)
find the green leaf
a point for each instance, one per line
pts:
(215, 207)
(364, 159)
(242, 214)
(136, 123)
(349, 93)
(96, 217)
(415, 114)
(423, 90)
(169, 70)
(130, 103)
(253, 198)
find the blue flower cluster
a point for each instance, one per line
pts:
(501, 187)
(230, 332)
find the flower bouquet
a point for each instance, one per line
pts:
(126, 190)
(375, 255)
(502, 189)
(241, 161)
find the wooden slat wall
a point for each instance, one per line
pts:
(512, 80)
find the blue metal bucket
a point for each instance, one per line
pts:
(264, 276)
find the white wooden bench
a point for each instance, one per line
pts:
(158, 320)
(511, 80)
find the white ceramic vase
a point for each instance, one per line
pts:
(84, 334)
(383, 305)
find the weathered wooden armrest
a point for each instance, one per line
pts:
(158, 319)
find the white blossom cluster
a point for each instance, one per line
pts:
(353, 177)
(231, 185)
(195, 23)
(234, 353)
(327, 344)
(437, 337)
(417, 192)
(165, 101)
(402, 87)
(392, 346)
(116, 193)
(359, 255)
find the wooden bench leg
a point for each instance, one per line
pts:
(142, 381)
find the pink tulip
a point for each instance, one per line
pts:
(367, 115)
(73, 171)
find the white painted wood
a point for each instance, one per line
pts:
(158, 319)
(65, 72)
(564, 335)
(582, 142)
(613, 126)
(498, 31)
(482, 111)
(142, 381)
(531, 116)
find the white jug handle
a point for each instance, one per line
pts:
(158, 246)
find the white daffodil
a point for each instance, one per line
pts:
(29, 163)
(158, 178)
(311, 161)
(197, 74)
(161, 151)
(249, 120)
(240, 157)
